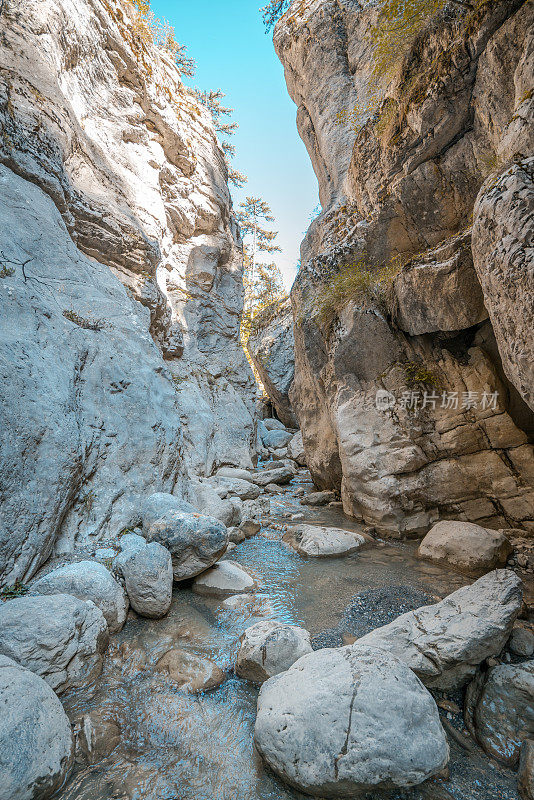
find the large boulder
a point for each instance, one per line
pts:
(237, 487)
(342, 722)
(58, 636)
(444, 643)
(147, 572)
(277, 438)
(207, 499)
(466, 547)
(319, 542)
(195, 541)
(279, 475)
(36, 743)
(224, 579)
(295, 449)
(268, 648)
(504, 714)
(88, 580)
(192, 673)
(525, 782)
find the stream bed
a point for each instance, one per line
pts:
(179, 746)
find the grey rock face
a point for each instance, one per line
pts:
(148, 576)
(88, 580)
(466, 547)
(268, 648)
(504, 715)
(224, 579)
(59, 637)
(295, 449)
(444, 643)
(195, 541)
(503, 249)
(398, 190)
(343, 722)
(271, 347)
(276, 439)
(126, 227)
(521, 642)
(36, 745)
(320, 542)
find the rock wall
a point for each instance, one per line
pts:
(120, 281)
(427, 218)
(271, 347)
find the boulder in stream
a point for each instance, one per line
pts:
(343, 722)
(270, 647)
(319, 542)
(36, 743)
(280, 475)
(224, 579)
(195, 541)
(57, 636)
(277, 438)
(444, 643)
(465, 546)
(148, 576)
(88, 580)
(192, 673)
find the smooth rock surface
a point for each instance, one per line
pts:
(504, 715)
(318, 498)
(277, 438)
(343, 722)
(88, 580)
(224, 579)
(268, 648)
(191, 672)
(320, 542)
(148, 575)
(465, 546)
(295, 449)
(444, 643)
(36, 743)
(281, 475)
(59, 637)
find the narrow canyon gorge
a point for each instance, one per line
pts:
(323, 586)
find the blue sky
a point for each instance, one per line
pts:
(233, 53)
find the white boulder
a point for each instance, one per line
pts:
(224, 579)
(319, 542)
(270, 647)
(466, 547)
(147, 572)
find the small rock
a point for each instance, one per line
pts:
(297, 516)
(318, 498)
(273, 424)
(268, 648)
(525, 776)
(98, 736)
(281, 475)
(317, 542)
(36, 745)
(465, 546)
(236, 536)
(88, 580)
(192, 673)
(276, 439)
(224, 579)
(250, 528)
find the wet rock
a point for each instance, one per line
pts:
(343, 722)
(268, 648)
(250, 528)
(372, 609)
(318, 542)
(36, 745)
(318, 498)
(59, 637)
(444, 643)
(295, 449)
(88, 580)
(465, 546)
(504, 715)
(98, 736)
(525, 777)
(224, 579)
(148, 575)
(276, 438)
(192, 673)
(195, 541)
(236, 536)
(521, 642)
(281, 475)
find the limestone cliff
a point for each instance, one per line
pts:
(418, 274)
(120, 280)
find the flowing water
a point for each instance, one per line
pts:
(178, 746)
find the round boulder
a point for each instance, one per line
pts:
(343, 722)
(192, 673)
(147, 572)
(195, 541)
(268, 648)
(57, 636)
(36, 743)
(317, 542)
(88, 580)
(467, 547)
(277, 438)
(224, 579)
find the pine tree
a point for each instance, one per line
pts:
(254, 212)
(212, 101)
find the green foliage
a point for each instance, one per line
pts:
(84, 322)
(419, 374)
(212, 101)
(272, 12)
(358, 282)
(160, 33)
(6, 272)
(17, 590)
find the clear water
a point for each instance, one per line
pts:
(177, 746)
